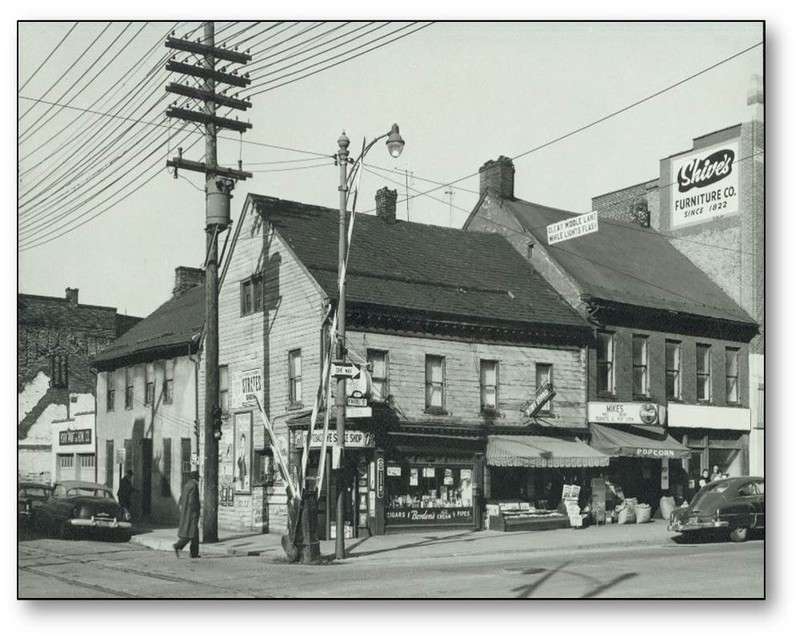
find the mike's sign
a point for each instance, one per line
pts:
(705, 184)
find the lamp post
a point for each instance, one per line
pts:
(394, 144)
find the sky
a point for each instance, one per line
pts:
(462, 93)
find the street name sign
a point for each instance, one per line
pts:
(572, 227)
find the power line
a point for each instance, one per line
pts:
(613, 114)
(80, 224)
(335, 64)
(88, 84)
(49, 55)
(61, 77)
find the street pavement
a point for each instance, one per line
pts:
(617, 561)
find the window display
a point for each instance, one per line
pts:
(428, 493)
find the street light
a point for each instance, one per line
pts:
(394, 144)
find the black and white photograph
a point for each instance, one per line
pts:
(349, 307)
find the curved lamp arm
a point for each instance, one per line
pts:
(394, 143)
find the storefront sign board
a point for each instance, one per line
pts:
(75, 436)
(379, 477)
(625, 413)
(429, 515)
(704, 184)
(353, 439)
(359, 412)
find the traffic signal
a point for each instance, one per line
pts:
(216, 422)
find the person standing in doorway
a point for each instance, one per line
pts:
(125, 493)
(188, 529)
(716, 474)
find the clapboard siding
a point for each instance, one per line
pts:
(517, 377)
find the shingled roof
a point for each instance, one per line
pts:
(627, 263)
(170, 330)
(421, 268)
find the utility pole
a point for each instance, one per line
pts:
(219, 184)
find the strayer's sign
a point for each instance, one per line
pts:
(705, 184)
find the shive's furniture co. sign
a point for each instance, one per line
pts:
(705, 184)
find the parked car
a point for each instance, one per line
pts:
(732, 505)
(29, 496)
(75, 506)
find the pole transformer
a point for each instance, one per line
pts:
(219, 184)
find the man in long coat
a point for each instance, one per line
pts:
(188, 530)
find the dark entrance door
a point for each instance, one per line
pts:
(147, 472)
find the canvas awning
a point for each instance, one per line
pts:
(636, 442)
(541, 451)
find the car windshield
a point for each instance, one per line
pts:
(33, 492)
(88, 492)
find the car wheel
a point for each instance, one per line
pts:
(738, 534)
(690, 537)
(122, 536)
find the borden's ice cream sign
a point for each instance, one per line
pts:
(705, 185)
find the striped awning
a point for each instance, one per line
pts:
(541, 451)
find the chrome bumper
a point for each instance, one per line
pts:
(680, 527)
(104, 524)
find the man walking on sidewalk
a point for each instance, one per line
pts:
(188, 530)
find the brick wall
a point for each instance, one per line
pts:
(618, 205)
(623, 367)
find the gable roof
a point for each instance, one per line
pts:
(626, 263)
(420, 268)
(174, 326)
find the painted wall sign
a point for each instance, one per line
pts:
(625, 413)
(430, 515)
(247, 385)
(572, 227)
(76, 436)
(704, 184)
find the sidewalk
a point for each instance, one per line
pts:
(435, 543)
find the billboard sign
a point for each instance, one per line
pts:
(704, 184)
(572, 227)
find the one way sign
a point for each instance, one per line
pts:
(345, 370)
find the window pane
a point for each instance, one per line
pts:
(433, 366)
(489, 373)
(639, 350)
(731, 362)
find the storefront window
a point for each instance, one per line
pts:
(673, 370)
(605, 363)
(640, 383)
(703, 373)
(434, 382)
(489, 385)
(378, 360)
(428, 493)
(732, 374)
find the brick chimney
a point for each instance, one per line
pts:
(386, 204)
(72, 297)
(186, 278)
(497, 176)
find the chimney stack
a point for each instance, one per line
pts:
(497, 177)
(386, 204)
(755, 98)
(186, 278)
(72, 297)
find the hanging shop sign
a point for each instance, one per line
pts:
(543, 395)
(75, 436)
(380, 477)
(353, 439)
(625, 413)
(247, 386)
(572, 227)
(429, 515)
(704, 184)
